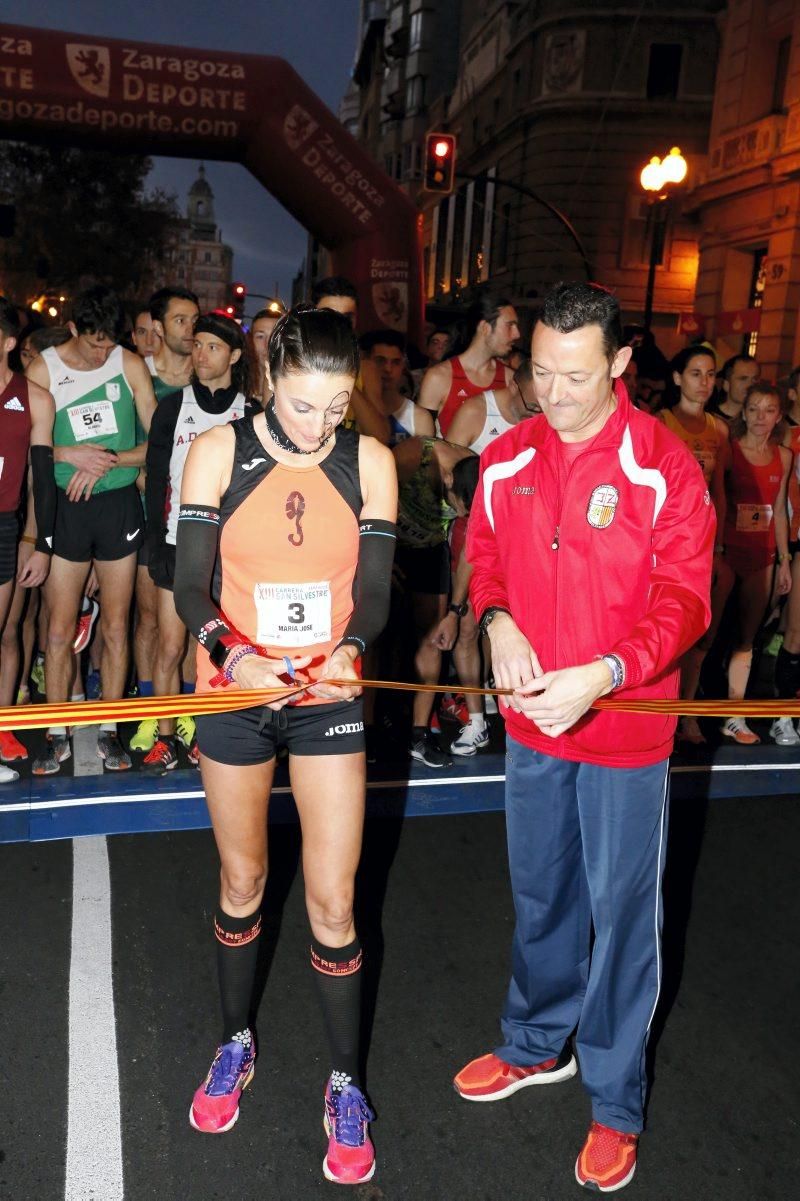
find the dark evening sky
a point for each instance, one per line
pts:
(316, 36)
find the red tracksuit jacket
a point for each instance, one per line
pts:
(632, 573)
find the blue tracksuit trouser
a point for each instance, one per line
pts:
(586, 846)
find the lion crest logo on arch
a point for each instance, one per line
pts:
(91, 68)
(298, 126)
(602, 506)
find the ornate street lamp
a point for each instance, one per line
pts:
(658, 178)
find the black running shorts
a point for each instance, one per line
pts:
(252, 736)
(9, 541)
(107, 526)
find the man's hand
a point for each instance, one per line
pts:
(95, 459)
(444, 635)
(256, 671)
(558, 699)
(340, 666)
(514, 661)
(81, 485)
(34, 570)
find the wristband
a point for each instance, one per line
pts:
(460, 610)
(27, 538)
(237, 655)
(787, 558)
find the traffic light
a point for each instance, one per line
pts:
(237, 301)
(440, 162)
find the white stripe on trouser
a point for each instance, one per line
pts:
(659, 874)
(94, 1140)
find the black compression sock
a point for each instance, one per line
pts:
(337, 971)
(787, 674)
(418, 733)
(237, 952)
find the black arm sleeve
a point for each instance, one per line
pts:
(196, 553)
(159, 453)
(373, 583)
(44, 496)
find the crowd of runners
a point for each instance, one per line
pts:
(189, 504)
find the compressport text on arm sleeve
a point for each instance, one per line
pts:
(373, 583)
(44, 496)
(196, 553)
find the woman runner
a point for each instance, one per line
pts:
(284, 519)
(694, 372)
(755, 526)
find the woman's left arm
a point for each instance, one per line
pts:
(374, 570)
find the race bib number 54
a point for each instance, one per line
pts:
(293, 614)
(93, 420)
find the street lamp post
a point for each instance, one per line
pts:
(657, 179)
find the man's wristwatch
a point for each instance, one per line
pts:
(617, 669)
(460, 610)
(488, 616)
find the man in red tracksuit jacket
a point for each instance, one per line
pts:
(591, 539)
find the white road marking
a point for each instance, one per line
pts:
(94, 1140)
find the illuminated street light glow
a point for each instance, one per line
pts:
(673, 167)
(652, 176)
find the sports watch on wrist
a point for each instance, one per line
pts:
(459, 610)
(488, 616)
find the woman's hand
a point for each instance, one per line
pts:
(783, 583)
(340, 666)
(256, 671)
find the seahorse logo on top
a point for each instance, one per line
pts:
(90, 67)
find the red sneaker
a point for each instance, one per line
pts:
(10, 747)
(490, 1079)
(608, 1159)
(84, 627)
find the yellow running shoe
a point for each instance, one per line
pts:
(184, 727)
(146, 734)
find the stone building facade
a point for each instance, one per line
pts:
(747, 201)
(567, 101)
(195, 256)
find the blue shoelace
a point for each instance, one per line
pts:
(349, 1114)
(226, 1069)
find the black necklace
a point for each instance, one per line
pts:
(279, 435)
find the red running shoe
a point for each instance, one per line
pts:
(215, 1105)
(10, 747)
(491, 1079)
(85, 625)
(608, 1159)
(454, 707)
(351, 1155)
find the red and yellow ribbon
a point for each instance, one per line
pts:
(89, 713)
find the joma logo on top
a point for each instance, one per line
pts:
(190, 69)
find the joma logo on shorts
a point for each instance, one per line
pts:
(349, 727)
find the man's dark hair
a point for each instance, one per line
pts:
(333, 285)
(486, 308)
(465, 480)
(9, 318)
(266, 313)
(99, 310)
(159, 301)
(46, 336)
(729, 364)
(381, 337)
(568, 307)
(308, 341)
(228, 331)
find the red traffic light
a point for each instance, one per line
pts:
(239, 290)
(230, 311)
(440, 162)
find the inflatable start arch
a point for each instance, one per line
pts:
(243, 108)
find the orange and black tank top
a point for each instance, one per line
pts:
(461, 388)
(288, 551)
(705, 446)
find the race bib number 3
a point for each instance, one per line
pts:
(93, 420)
(751, 519)
(293, 614)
